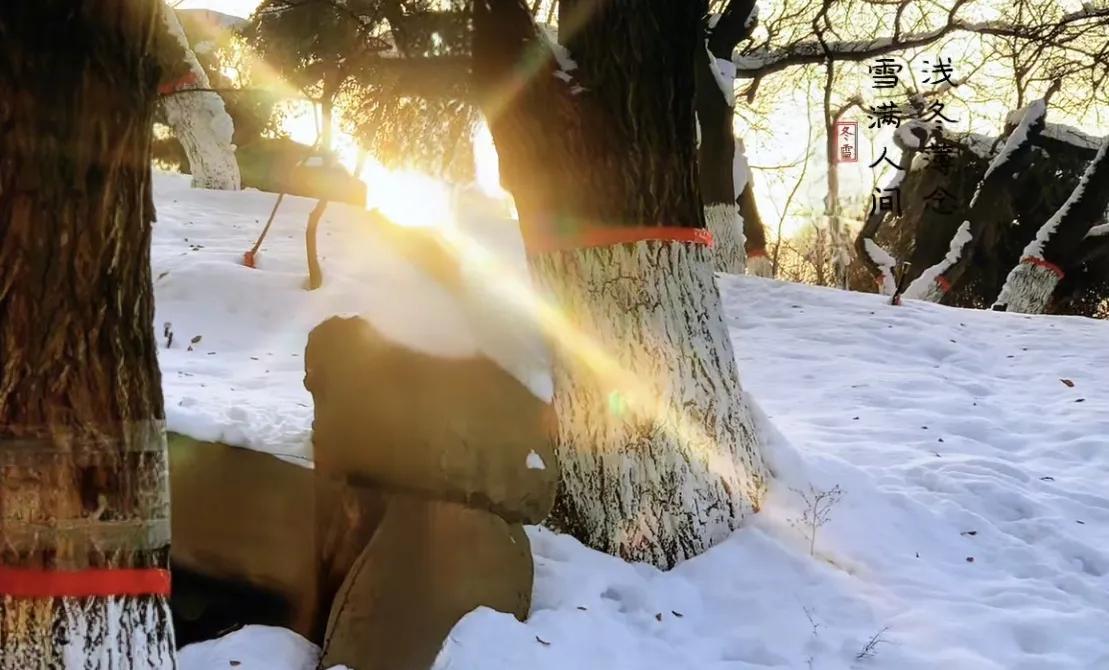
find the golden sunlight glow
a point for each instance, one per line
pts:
(628, 392)
(486, 164)
(416, 200)
(407, 198)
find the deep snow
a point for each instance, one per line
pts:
(972, 449)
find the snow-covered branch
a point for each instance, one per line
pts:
(769, 59)
(935, 281)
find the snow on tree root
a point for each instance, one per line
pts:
(726, 226)
(659, 456)
(200, 122)
(116, 633)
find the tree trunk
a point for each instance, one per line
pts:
(841, 253)
(327, 113)
(717, 158)
(315, 274)
(989, 198)
(1030, 285)
(911, 138)
(737, 230)
(84, 509)
(596, 145)
(199, 120)
(758, 264)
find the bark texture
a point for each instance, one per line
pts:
(1029, 286)
(1028, 289)
(200, 121)
(82, 444)
(598, 134)
(658, 454)
(726, 226)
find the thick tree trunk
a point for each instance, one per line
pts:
(84, 509)
(596, 143)
(724, 222)
(1030, 285)
(658, 455)
(199, 120)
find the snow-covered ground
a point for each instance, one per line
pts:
(971, 449)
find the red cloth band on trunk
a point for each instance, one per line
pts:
(755, 253)
(1046, 264)
(604, 237)
(188, 79)
(944, 283)
(38, 583)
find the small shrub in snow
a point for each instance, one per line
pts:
(871, 646)
(817, 511)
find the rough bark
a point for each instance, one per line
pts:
(723, 221)
(1028, 288)
(598, 137)
(82, 445)
(1031, 283)
(656, 445)
(199, 120)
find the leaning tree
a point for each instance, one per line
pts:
(1031, 283)
(195, 112)
(596, 140)
(1027, 45)
(1029, 238)
(84, 509)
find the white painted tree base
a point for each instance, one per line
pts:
(1028, 289)
(726, 226)
(120, 633)
(658, 452)
(201, 123)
